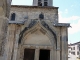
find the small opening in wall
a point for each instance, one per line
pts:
(41, 16)
(39, 4)
(13, 16)
(44, 55)
(45, 4)
(29, 54)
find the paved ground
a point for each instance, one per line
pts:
(72, 57)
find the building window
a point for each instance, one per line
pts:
(78, 47)
(42, 3)
(78, 53)
(12, 16)
(73, 53)
(39, 2)
(69, 51)
(45, 2)
(73, 48)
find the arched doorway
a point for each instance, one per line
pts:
(38, 42)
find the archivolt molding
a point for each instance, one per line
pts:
(43, 27)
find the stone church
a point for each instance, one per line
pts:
(32, 32)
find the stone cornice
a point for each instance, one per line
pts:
(21, 6)
(62, 24)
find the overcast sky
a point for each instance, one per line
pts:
(69, 12)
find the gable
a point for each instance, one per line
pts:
(38, 33)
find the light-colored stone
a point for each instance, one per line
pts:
(33, 13)
(29, 31)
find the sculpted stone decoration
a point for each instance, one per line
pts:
(32, 24)
(47, 27)
(36, 36)
(42, 30)
(26, 28)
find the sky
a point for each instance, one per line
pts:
(69, 12)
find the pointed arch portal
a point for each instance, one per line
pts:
(37, 39)
(40, 28)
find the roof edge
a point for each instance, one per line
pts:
(25, 6)
(74, 43)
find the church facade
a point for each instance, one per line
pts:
(34, 33)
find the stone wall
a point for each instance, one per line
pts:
(4, 14)
(59, 51)
(33, 13)
(40, 39)
(3, 33)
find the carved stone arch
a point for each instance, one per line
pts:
(51, 29)
(36, 27)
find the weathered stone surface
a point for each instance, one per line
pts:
(5, 7)
(28, 31)
(64, 43)
(33, 13)
(4, 14)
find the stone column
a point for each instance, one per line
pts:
(3, 25)
(64, 44)
(15, 53)
(3, 33)
(58, 46)
(4, 14)
(52, 54)
(37, 54)
(10, 43)
(58, 54)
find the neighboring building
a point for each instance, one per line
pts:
(34, 33)
(73, 50)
